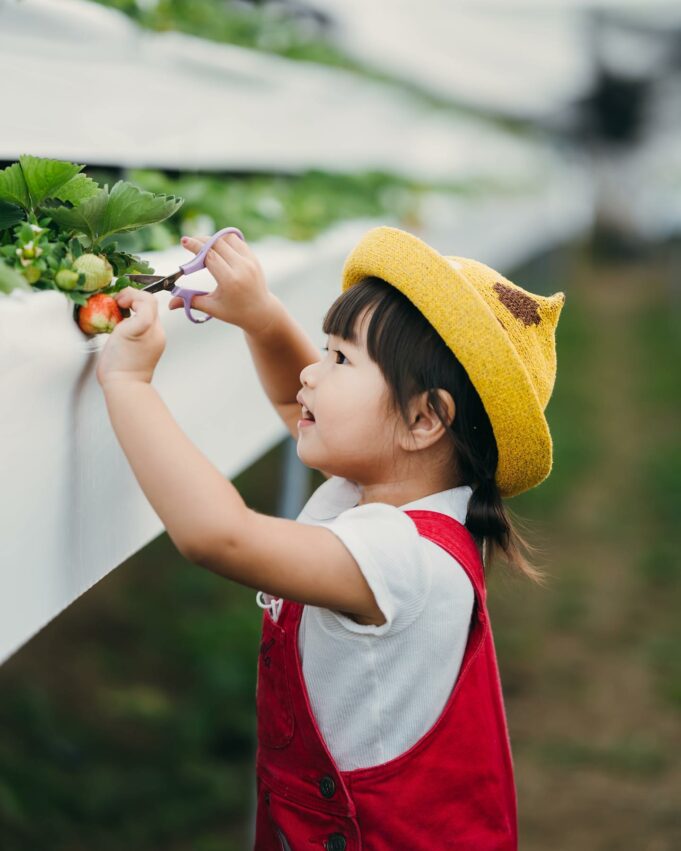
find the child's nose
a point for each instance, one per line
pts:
(306, 374)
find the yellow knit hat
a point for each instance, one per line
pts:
(503, 335)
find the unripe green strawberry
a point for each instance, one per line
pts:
(28, 253)
(66, 279)
(100, 315)
(97, 270)
(31, 273)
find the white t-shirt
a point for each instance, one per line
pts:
(375, 690)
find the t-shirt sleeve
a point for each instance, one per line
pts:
(385, 543)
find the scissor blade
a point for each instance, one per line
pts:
(154, 283)
(146, 280)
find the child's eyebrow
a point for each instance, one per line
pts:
(343, 342)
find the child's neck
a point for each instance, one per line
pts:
(400, 493)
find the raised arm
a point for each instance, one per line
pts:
(280, 351)
(279, 346)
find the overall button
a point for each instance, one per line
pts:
(327, 787)
(335, 842)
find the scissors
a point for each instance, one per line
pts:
(154, 283)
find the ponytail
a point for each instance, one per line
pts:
(488, 520)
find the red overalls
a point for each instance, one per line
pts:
(452, 789)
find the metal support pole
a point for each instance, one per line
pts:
(295, 482)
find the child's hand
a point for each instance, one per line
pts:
(241, 296)
(136, 344)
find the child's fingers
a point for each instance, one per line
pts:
(216, 253)
(145, 310)
(236, 243)
(138, 300)
(226, 246)
(218, 266)
(193, 243)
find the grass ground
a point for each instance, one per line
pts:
(128, 723)
(592, 665)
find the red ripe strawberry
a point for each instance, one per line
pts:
(100, 315)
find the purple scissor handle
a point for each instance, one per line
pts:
(154, 283)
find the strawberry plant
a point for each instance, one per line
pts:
(58, 229)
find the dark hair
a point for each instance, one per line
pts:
(413, 358)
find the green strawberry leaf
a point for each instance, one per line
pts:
(86, 217)
(123, 262)
(44, 177)
(24, 232)
(10, 214)
(123, 209)
(10, 279)
(130, 208)
(121, 283)
(79, 298)
(13, 187)
(32, 180)
(75, 247)
(77, 189)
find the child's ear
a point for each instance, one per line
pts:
(449, 405)
(425, 425)
(424, 409)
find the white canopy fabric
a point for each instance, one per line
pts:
(536, 59)
(174, 101)
(70, 507)
(82, 82)
(502, 57)
(521, 58)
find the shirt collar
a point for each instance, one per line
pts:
(337, 494)
(453, 502)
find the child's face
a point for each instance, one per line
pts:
(352, 435)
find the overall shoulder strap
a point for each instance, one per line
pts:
(453, 537)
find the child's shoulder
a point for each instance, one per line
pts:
(331, 498)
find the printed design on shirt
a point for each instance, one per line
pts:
(265, 647)
(521, 305)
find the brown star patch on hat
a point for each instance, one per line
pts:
(518, 303)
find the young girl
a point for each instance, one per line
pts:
(380, 717)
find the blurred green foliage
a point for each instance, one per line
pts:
(133, 724)
(659, 565)
(297, 207)
(274, 28)
(591, 663)
(637, 757)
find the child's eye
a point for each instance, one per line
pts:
(337, 351)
